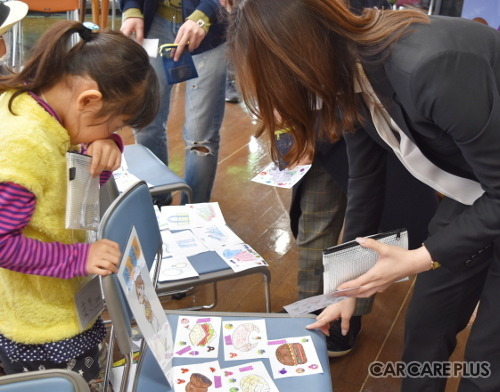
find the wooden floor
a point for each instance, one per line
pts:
(259, 215)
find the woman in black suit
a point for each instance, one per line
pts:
(428, 89)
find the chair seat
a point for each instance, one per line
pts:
(50, 380)
(278, 326)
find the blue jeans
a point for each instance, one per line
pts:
(204, 108)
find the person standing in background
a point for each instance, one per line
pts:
(198, 26)
(11, 12)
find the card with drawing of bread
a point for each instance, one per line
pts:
(244, 339)
(204, 376)
(293, 357)
(197, 337)
(248, 377)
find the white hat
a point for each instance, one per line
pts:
(11, 12)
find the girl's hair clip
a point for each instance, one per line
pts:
(89, 29)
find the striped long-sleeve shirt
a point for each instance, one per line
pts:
(27, 255)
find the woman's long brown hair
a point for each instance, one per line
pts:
(295, 63)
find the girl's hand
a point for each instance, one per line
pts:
(103, 258)
(394, 263)
(190, 34)
(343, 310)
(106, 155)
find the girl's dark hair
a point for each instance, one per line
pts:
(118, 65)
(295, 63)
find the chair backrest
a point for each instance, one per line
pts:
(107, 194)
(53, 5)
(50, 380)
(132, 208)
(147, 166)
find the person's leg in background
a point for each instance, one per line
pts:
(322, 206)
(204, 115)
(154, 136)
(232, 93)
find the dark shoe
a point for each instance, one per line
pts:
(232, 95)
(163, 200)
(339, 345)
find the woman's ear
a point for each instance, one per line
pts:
(90, 100)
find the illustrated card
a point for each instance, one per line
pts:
(197, 375)
(138, 289)
(173, 218)
(216, 236)
(251, 377)
(197, 337)
(293, 357)
(202, 214)
(181, 243)
(240, 257)
(286, 178)
(244, 339)
(310, 304)
(176, 268)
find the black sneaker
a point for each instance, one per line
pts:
(162, 200)
(339, 345)
(232, 94)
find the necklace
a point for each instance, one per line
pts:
(43, 96)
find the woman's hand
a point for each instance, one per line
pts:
(103, 258)
(106, 155)
(133, 26)
(342, 309)
(394, 263)
(190, 34)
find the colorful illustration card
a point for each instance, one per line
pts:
(293, 357)
(197, 337)
(124, 179)
(310, 304)
(202, 214)
(181, 243)
(137, 287)
(216, 236)
(240, 257)
(250, 377)
(173, 218)
(286, 178)
(244, 340)
(196, 376)
(176, 268)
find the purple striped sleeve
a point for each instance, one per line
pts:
(104, 177)
(29, 256)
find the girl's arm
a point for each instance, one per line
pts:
(21, 254)
(106, 156)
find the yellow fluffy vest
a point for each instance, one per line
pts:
(37, 309)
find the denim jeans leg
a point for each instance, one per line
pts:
(154, 136)
(204, 108)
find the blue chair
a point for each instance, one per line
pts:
(50, 380)
(146, 166)
(133, 208)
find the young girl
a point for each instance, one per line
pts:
(62, 99)
(427, 89)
